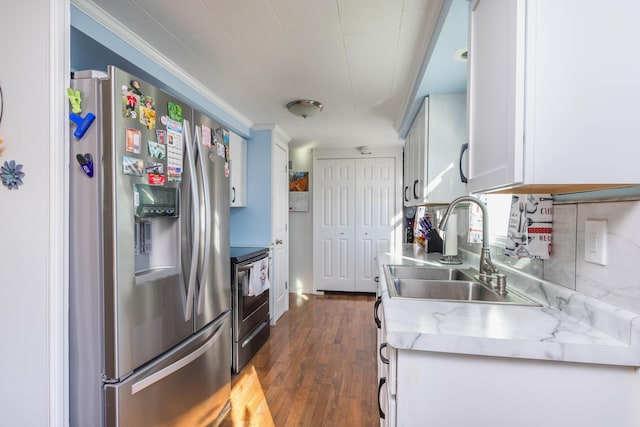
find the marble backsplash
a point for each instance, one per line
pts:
(616, 283)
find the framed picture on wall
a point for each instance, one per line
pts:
(298, 191)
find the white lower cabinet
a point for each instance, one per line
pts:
(442, 389)
(386, 371)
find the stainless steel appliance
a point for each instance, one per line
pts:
(149, 300)
(250, 312)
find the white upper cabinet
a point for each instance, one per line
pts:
(433, 149)
(238, 170)
(553, 94)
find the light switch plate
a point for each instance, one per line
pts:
(595, 241)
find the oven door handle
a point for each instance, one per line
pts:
(245, 267)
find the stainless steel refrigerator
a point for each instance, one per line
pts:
(149, 296)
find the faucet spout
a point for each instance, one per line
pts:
(487, 269)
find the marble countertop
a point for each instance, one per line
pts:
(569, 326)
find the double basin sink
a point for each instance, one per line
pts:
(445, 284)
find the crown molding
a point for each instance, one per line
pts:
(107, 21)
(278, 133)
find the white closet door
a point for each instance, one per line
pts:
(374, 224)
(334, 209)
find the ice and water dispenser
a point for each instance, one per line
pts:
(156, 232)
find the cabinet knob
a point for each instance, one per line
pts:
(278, 242)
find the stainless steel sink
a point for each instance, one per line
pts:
(427, 273)
(445, 290)
(445, 284)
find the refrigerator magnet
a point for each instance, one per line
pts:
(226, 169)
(132, 166)
(86, 163)
(156, 150)
(129, 101)
(135, 87)
(132, 140)
(206, 136)
(147, 113)
(161, 134)
(155, 179)
(175, 111)
(154, 167)
(220, 149)
(174, 174)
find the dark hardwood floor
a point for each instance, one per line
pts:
(318, 368)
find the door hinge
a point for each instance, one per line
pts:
(286, 284)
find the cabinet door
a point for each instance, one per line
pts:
(496, 93)
(334, 215)
(407, 197)
(238, 170)
(446, 125)
(418, 189)
(375, 209)
(582, 91)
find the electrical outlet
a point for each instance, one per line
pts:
(595, 241)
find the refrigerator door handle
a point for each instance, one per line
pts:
(176, 366)
(205, 229)
(195, 221)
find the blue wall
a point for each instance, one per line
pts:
(95, 47)
(251, 226)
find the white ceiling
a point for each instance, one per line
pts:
(360, 58)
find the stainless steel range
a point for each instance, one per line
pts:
(250, 328)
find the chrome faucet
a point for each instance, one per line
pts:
(487, 270)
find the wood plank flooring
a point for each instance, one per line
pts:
(318, 367)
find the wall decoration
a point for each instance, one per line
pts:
(1, 111)
(11, 175)
(298, 191)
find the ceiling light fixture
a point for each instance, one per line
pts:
(461, 54)
(304, 107)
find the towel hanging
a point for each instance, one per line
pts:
(530, 226)
(259, 277)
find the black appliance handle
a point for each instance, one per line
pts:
(382, 382)
(375, 312)
(464, 148)
(384, 360)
